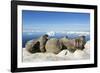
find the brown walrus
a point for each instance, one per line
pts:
(73, 44)
(38, 45)
(53, 46)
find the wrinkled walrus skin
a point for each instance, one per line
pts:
(73, 44)
(53, 46)
(38, 45)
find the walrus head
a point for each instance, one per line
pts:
(80, 42)
(45, 37)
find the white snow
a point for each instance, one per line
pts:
(63, 55)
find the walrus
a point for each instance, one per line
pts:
(73, 44)
(43, 39)
(38, 45)
(53, 46)
(80, 42)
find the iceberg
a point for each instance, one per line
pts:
(51, 33)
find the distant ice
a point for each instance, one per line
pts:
(51, 33)
(78, 33)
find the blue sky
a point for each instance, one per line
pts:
(55, 21)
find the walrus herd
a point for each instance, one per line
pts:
(54, 45)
